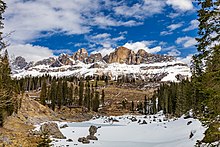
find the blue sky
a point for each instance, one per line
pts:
(42, 28)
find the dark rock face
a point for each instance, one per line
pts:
(48, 61)
(19, 62)
(98, 65)
(51, 129)
(56, 63)
(65, 59)
(94, 58)
(80, 55)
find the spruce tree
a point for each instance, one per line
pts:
(81, 92)
(53, 94)
(103, 97)
(6, 84)
(59, 93)
(43, 93)
(96, 102)
(132, 106)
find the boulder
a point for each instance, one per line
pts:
(84, 140)
(133, 119)
(69, 140)
(92, 130)
(144, 122)
(188, 123)
(52, 130)
(64, 126)
(91, 137)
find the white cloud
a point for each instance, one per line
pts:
(193, 25)
(107, 49)
(186, 60)
(30, 52)
(186, 41)
(181, 5)
(143, 45)
(60, 51)
(173, 27)
(164, 33)
(141, 10)
(107, 21)
(104, 51)
(30, 18)
(101, 36)
(174, 52)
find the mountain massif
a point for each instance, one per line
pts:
(121, 62)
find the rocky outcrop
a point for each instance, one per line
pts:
(66, 59)
(48, 61)
(19, 63)
(121, 55)
(80, 55)
(94, 58)
(52, 130)
(125, 55)
(56, 63)
(91, 136)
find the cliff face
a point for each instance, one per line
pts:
(121, 55)
(80, 55)
(125, 55)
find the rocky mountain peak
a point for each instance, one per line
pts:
(65, 59)
(121, 55)
(95, 58)
(19, 63)
(80, 55)
(141, 52)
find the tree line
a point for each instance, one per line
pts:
(201, 93)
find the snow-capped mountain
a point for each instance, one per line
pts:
(121, 62)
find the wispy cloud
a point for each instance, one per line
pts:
(141, 10)
(181, 5)
(193, 25)
(186, 41)
(171, 28)
(135, 46)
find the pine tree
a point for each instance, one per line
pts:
(65, 92)
(103, 97)
(6, 84)
(81, 92)
(154, 104)
(59, 93)
(206, 83)
(132, 106)
(96, 102)
(43, 93)
(53, 94)
(145, 105)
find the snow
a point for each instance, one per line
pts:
(126, 133)
(114, 69)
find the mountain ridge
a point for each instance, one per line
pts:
(121, 62)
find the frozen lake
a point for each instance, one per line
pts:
(158, 132)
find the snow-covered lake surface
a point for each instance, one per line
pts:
(158, 132)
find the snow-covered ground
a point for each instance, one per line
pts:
(158, 132)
